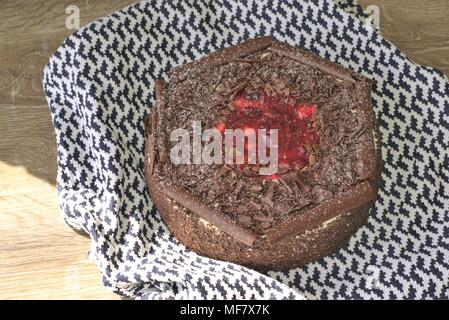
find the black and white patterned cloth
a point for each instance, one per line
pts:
(99, 85)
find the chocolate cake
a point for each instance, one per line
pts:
(328, 155)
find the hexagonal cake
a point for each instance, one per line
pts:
(263, 154)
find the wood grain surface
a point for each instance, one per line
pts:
(41, 258)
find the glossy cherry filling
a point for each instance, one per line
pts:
(260, 110)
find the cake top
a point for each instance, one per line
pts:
(324, 129)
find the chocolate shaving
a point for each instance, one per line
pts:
(312, 160)
(195, 205)
(267, 199)
(263, 219)
(255, 188)
(217, 83)
(301, 185)
(244, 220)
(254, 205)
(357, 133)
(238, 189)
(297, 207)
(220, 172)
(241, 209)
(285, 185)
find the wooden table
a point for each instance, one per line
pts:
(41, 258)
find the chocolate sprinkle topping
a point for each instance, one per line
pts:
(341, 167)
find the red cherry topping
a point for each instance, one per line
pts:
(260, 110)
(220, 127)
(306, 111)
